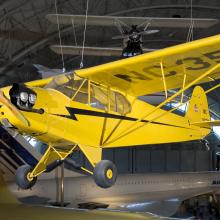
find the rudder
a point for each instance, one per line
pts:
(198, 109)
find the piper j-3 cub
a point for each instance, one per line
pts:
(100, 107)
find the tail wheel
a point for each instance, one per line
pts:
(22, 177)
(105, 174)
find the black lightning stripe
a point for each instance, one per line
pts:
(76, 111)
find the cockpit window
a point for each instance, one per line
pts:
(63, 83)
(83, 91)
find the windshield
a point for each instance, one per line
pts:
(84, 91)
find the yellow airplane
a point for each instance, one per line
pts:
(100, 107)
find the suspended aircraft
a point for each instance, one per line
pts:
(100, 107)
(132, 30)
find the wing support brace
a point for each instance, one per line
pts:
(51, 155)
(131, 128)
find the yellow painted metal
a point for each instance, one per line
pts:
(93, 154)
(67, 123)
(140, 75)
(83, 82)
(39, 83)
(109, 174)
(131, 128)
(164, 80)
(184, 82)
(52, 154)
(86, 170)
(89, 92)
(87, 129)
(198, 107)
(213, 88)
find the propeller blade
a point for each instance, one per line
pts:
(5, 101)
(117, 37)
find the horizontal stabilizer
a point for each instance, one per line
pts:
(207, 123)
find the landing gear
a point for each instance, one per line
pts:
(22, 177)
(105, 174)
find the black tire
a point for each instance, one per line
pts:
(105, 174)
(21, 177)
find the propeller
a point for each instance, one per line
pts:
(125, 36)
(16, 112)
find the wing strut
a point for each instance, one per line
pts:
(164, 80)
(130, 129)
(184, 82)
(213, 88)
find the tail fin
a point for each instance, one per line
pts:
(5, 195)
(198, 110)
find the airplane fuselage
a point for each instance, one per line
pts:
(65, 121)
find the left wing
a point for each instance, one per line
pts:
(142, 75)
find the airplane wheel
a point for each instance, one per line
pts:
(22, 179)
(105, 174)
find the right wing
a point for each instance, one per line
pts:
(142, 75)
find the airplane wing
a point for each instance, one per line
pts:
(142, 75)
(91, 51)
(39, 83)
(162, 205)
(113, 20)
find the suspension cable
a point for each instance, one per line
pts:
(190, 32)
(74, 32)
(60, 40)
(84, 35)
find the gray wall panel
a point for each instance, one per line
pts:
(122, 160)
(158, 160)
(187, 161)
(172, 161)
(142, 161)
(202, 161)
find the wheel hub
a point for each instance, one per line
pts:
(109, 174)
(30, 177)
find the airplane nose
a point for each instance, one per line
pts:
(15, 111)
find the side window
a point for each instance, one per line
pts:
(107, 99)
(98, 97)
(121, 104)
